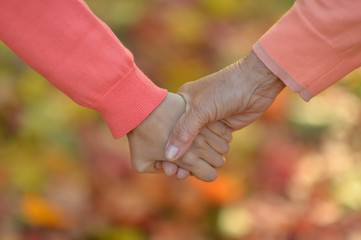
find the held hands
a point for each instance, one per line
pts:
(237, 95)
(215, 105)
(148, 141)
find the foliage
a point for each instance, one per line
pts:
(294, 174)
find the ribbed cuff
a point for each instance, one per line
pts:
(129, 102)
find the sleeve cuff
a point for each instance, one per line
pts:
(300, 55)
(129, 102)
(281, 73)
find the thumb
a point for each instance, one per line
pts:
(182, 136)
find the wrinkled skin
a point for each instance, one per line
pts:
(147, 143)
(237, 95)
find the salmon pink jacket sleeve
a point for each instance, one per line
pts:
(66, 43)
(314, 45)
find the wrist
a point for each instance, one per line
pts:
(163, 112)
(265, 82)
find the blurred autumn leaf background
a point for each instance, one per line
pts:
(294, 174)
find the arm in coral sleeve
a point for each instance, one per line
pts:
(80, 55)
(314, 45)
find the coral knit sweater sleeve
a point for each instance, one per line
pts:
(314, 45)
(79, 54)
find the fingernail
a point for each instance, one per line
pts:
(172, 152)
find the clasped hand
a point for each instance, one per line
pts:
(190, 135)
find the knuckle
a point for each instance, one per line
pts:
(200, 144)
(182, 135)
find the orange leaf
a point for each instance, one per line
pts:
(38, 211)
(223, 190)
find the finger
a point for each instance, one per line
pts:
(197, 167)
(158, 165)
(203, 171)
(182, 173)
(170, 168)
(221, 129)
(182, 136)
(201, 149)
(215, 142)
(212, 157)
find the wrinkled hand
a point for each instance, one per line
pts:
(148, 141)
(237, 95)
